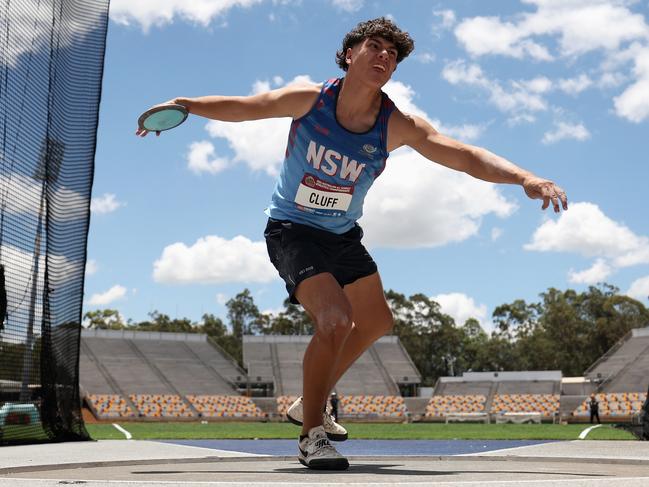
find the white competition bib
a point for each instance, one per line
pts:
(318, 195)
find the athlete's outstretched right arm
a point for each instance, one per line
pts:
(290, 101)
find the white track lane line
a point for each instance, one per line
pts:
(122, 430)
(584, 433)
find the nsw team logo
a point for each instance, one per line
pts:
(369, 148)
(309, 181)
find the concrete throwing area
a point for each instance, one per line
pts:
(146, 463)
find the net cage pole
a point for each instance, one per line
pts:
(51, 68)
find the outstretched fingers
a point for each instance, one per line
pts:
(551, 193)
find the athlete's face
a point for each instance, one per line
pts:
(375, 57)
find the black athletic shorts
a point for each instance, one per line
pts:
(300, 251)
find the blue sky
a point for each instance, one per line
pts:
(560, 87)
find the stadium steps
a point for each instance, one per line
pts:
(277, 371)
(107, 375)
(223, 382)
(416, 405)
(493, 390)
(387, 378)
(569, 404)
(235, 365)
(409, 359)
(160, 375)
(609, 365)
(620, 381)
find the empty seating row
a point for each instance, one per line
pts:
(614, 404)
(546, 404)
(110, 406)
(439, 406)
(384, 406)
(355, 406)
(225, 406)
(170, 406)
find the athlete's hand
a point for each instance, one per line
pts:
(143, 132)
(546, 190)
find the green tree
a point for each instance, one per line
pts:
(162, 322)
(104, 319)
(212, 326)
(292, 321)
(430, 336)
(243, 315)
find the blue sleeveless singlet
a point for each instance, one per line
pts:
(327, 169)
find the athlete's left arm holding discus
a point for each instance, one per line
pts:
(417, 133)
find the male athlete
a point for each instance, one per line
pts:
(341, 135)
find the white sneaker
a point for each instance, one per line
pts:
(334, 431)
(316, 452)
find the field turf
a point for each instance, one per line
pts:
(382, 431)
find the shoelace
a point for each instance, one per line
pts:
(329, 419)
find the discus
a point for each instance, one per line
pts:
(163, 117)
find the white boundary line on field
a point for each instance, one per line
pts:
(583, 482)
(583, 434)
(122, 430)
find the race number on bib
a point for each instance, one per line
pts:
(323, 198)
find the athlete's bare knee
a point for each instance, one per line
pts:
(334, 325)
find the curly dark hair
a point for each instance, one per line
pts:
(380, 27)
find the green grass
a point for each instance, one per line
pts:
(384, 431)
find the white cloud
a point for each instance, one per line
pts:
(425, 57)
(490, 35)
(272, 312)
(260, 144)
(587, 231)
(348, 5)
(71, 204)
(19, 275)
(540, 84)
(580, 27)
(107, 203)
(148, 13)
(461, 307)
(214, 260)
(564, 131)
(113, 294)
(446, 17)
(521, 98)
(222, 299)
(426, 204)
(598, 272)
(200, 158)
(639, 289)
(28, 26)
(403, 95)
(91, 267)
(496, 233)
(574, 86)
(633, 103)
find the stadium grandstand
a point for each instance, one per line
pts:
(153, 375)
(371, 389)
(621, 379)
(531, 396)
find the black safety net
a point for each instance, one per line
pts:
(51, 64)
